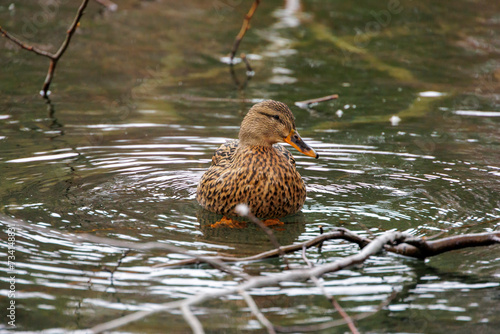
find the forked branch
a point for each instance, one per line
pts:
(54, 57)
(419, 248)
(260, 281)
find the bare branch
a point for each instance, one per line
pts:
(71, 30)
(415, 247)
(396, 242)
(25, 46)
(332, 299)
(245, 26)
(258, 314)
(308, 103)
(62, 49)
(256, 282)
(192, 320)
(421, 248)
(54, 58)
(244, 211)
(339, 233)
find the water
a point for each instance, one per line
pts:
(129, 137)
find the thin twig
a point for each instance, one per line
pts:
(244, 211)
(118, 264)
(249, 73)
(345, 316)
(234, 76)
(339, 233)
(190, 318)
(25, 46)
(397, 242)
(418, 248)
(71, 30)
(245, 26)
(62, 49)
(332, 299)
(304, 257)
(258, 314)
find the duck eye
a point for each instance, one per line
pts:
(276, 117)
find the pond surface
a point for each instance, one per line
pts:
(144, 96)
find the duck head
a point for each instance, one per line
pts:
(270, 122)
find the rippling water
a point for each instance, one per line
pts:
(126, 167)
(142, 189)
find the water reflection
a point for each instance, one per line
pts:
(245, 236)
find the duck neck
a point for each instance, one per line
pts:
(247, 138)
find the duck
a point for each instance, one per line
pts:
(255, 169)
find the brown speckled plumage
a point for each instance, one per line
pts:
(254, 170)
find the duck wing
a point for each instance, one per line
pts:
(225, 152)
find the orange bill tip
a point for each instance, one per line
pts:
(296, 141)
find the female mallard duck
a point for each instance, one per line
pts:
(255, 170)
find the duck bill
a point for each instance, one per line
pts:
(294, 139)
